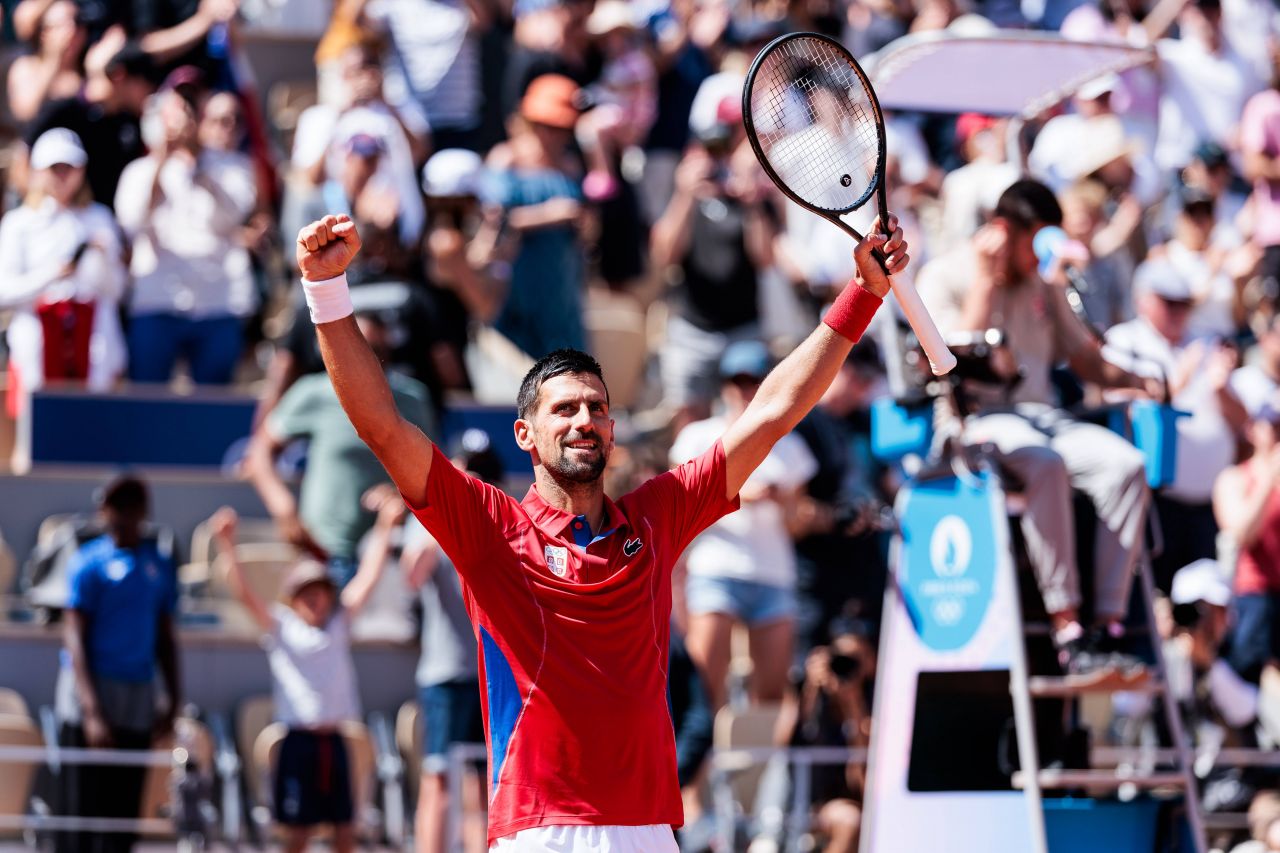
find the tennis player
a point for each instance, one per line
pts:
(570, 592)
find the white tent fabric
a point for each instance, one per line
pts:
(1009, 73)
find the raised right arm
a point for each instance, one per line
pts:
(324, 249)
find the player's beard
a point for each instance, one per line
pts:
(569, 467)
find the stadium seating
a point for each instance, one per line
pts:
(16, 778)
(194, 736)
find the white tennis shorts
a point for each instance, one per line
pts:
(589, 839)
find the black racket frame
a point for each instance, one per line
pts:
(877, 188)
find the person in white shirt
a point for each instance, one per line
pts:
(1159, 343)
(184, 206)
(402, 132)
(743, 567)
(63, 276)
(1206, 83)
(308, 644)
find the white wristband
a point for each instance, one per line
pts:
(328, 300)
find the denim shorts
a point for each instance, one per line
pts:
(753, 603)
(451, 714)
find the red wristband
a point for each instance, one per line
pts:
(852, 311)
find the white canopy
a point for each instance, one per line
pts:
(1006, 72)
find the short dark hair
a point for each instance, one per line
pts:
(132, 61)
(126, 493)
(555, 363)
(1029, 204)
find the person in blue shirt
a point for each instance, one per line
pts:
(118, 631)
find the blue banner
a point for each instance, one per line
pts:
(948, 559)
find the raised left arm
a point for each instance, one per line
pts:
(794, 387)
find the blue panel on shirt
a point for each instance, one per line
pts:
(504, 701)
(122, 593)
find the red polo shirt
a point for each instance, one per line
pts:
(573, 641)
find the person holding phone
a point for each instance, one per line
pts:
(63, 275)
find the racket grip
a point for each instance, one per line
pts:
(941, 360)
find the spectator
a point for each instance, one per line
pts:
(328, 519)
(1246, 501)
(1260, 148)
(1205, 85)
(1210, 172)
(1198, 370)
(626, 106)
(448, 671)
(994, 284)
(742, 568)
(537, 181)
(63, 276)
(1264, 825)
(1208, 689)
(52, 70)
(313, 680)
(1256, 383)
(1217, 271)
(106, 114)
(840, 555)
(324, 135)
(550, 37)
(969, 193)
(1107, 267)
(184, 206)
(718, 234)
(433, 62)
(467, 258)
(830, 705)
(118, 630)
(688, 40)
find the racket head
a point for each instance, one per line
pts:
(815, 125)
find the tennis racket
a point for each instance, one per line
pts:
(815, 125)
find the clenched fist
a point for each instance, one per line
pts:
(326, 247)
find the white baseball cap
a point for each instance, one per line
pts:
(58, 145)
(453, 172)
(1200, 581)
(1162, 278)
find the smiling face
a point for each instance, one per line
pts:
(569, 431)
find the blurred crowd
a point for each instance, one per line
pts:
(538, 174)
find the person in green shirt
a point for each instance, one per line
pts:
(327, 519)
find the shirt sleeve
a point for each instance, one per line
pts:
(83, 579)
(690, 496)
(468, 517)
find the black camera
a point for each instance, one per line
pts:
(845, 667)
(1188, 616)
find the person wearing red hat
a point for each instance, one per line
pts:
(537, 181)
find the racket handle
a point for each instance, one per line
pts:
(941, 360)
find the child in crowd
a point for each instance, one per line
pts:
(308, 643)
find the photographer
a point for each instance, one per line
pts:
(1218, 706)
(830, 706)
(1200, 621)
(715, 236)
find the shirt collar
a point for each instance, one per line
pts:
(557, 521)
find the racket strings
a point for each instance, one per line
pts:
(815, 124)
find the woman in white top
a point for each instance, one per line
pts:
(62, 273)
(743, 567)
(184, 207)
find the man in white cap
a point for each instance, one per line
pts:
(1158, 343)
(466, 277)
(1201, 618)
